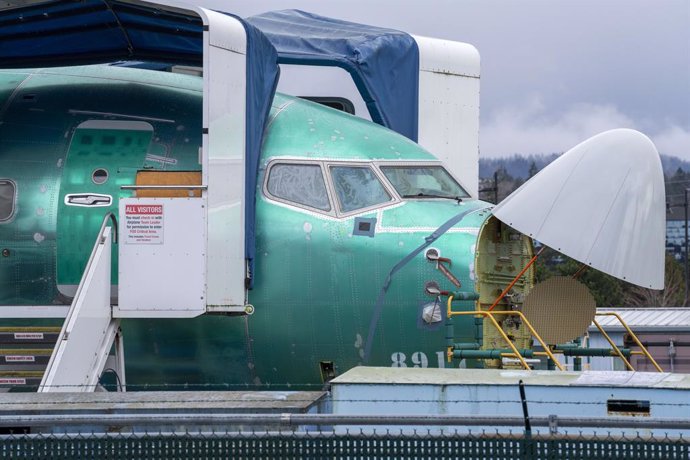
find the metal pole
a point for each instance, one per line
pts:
(289, 419)
(496, 188)
(525, 413)
(685, 300)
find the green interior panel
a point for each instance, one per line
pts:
(118, 152)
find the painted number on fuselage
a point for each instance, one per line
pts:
(417, 359)
(398, 360)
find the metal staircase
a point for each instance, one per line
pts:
(71, 358)
(91, 327)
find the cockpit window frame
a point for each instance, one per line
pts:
(325, 165)
(394, 198)
(373, 165)
(421, 163)
(13, 211)
(290, 161)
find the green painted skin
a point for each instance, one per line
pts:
(315, 283)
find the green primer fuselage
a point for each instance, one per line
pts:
(315, 282)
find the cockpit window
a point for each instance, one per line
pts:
(299, 183)
(357, 187)
(7, 197)
(423, 181)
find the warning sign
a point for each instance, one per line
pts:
(28, 335)
(20, 359)
(143, 224)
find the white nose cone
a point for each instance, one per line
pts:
(602, 203)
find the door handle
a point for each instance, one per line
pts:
(88, 199)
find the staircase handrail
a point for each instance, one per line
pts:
(102, 238)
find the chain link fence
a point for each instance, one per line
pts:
(379, 444)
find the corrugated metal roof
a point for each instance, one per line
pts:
(646, 318)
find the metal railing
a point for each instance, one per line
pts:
(89, 323)
(643, 349)
(549, 351)
(516, 353)
(164, 187)
(294, 420)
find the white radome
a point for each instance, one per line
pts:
(601, 203)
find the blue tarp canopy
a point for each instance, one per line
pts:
(92, 31)
(384, 63)
(65, 33)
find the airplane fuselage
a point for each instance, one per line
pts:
(335, 214)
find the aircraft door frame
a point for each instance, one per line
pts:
(102, 156)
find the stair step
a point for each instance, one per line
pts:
(10, 379)
(24, 335)
(21, 357)
(24, 355)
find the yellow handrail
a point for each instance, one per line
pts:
(534, 333)
(490, 315)
(613, 345)
(498, 328)
(547, 349)
(632, 334)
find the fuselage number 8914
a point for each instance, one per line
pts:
(417, 359)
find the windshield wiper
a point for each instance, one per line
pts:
(429, 195)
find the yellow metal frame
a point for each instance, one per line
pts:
(490, 315)
(642, 351)
(547, 350)
(615, 348)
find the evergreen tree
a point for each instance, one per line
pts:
(607, 290)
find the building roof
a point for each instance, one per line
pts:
(400, 377)
(646, 318)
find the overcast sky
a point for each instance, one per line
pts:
(553, 72)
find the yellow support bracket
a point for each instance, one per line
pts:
(643, 349)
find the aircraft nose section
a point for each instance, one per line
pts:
(601, 203)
